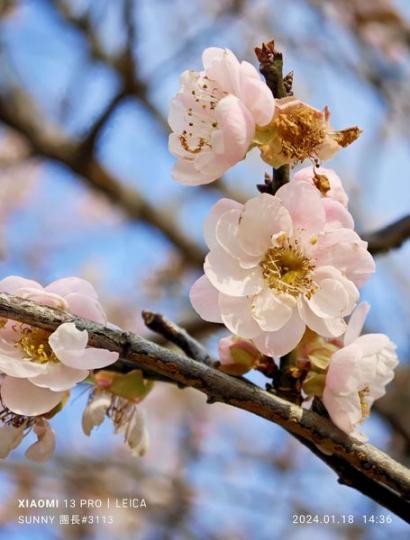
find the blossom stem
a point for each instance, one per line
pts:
(177, 335)
(271, 67)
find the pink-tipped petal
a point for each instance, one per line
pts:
(12, 284)
(226, 275)
(305, 206)
(284, 340)
(237, 126)
(69, 345)
(19, 367)
(272, 311)
(23, 397)
(218, 209)
(86, 307)
(42, 450)
(337, 216)
(59, 377)
(205, 300)
(356, 323)
(69, 285)
(262, 217)
(236, 314)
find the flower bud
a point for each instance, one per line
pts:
(237, 355)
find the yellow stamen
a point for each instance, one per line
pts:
(34, 343)
(287, 270)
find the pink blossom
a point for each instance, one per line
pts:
(40, 367)
(214, 116)
(358, 374)
(267, 275)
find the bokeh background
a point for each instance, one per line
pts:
(85, 189)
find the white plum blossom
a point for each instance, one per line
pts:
(358, 374)
(267, 275)
(214, 116)
(40, 366)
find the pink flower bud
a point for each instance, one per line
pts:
(237, 355)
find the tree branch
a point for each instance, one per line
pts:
(390, 237)
(176, 335)
(50, 143)
(361, 461)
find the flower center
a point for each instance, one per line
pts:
(301, 130)
(34, 343)
(287, 270)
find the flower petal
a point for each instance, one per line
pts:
(324, 327)
(272, 311)
(23, 397)
(236, 314)
(284, 340)
(186, 173)
(42, 450)
(227, 236)
(305, 207)
(262, 217)
(11, 284)
(237, 127)
(225, 273)
(69, 285)
(329, 300)
(86, 307)
(356, 323)
(59, 377)
(95, 411)
(19, 367)
(204, 299)
(337, 216)
(218, 209)
(69, 345)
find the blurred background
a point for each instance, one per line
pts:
(85, 189)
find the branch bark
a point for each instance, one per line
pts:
(390, 237)
(361, 466)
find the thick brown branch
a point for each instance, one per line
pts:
(307, 426)
(390, 237)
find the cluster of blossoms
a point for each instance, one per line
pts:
(283, 270)
(38, 368)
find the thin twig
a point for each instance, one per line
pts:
(177, 335)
